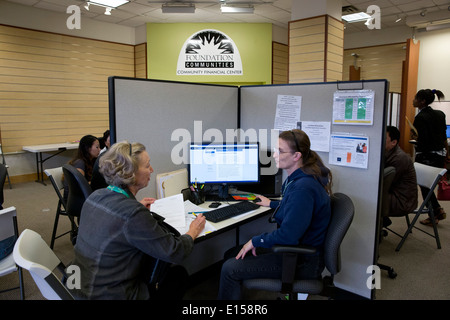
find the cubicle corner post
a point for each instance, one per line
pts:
(112, 110)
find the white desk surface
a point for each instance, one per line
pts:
(51, 147)
(223, 225)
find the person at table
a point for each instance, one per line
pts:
(87, 153)
(431, 146)
(118, 237)
(302, 216)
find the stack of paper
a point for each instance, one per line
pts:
(172, 209)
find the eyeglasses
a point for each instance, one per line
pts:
(276, 150)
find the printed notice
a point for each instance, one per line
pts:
(349, 151)
(288, 112)
(318, 133)
(353, 107)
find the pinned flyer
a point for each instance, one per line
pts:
(349, 150)
(353, 107)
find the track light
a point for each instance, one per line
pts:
(423, 13)
(108, 11)
(86, 6)
(178, 7)
(235, 9)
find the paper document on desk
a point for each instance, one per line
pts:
(190, 208)
(172, 209)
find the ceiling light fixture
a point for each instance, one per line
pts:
(178, 7)
(86, 6)
(108, 3)
(108, 11)
(423, 13)
(356, 17)
(235, 9)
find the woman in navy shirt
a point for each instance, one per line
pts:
(302, 216)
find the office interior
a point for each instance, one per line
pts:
(373, 54)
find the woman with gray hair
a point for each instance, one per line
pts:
(119, 239)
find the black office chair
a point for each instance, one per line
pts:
(3, 173)
(79, 191)
(388, 177)
(342, 212)
(55, 175)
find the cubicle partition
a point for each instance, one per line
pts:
(157, 112)
(362, 185)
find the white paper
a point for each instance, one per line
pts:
(288, 112)
(172, 209)
(349, 151)
(318, 133)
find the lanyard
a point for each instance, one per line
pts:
(118, 190)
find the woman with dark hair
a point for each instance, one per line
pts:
(431, 147)
(302, 216)
(88, 151)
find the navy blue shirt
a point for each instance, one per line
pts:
(303, 214)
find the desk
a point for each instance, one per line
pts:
(210, 248)
(39, 149)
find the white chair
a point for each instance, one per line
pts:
(55, 175)
(32, 253)
(8, 229)
(429, 177)
(4, 162)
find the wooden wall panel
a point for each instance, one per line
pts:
(315, 50)
(378, 62)
(280, 63)
(140, 60)
(54, 88)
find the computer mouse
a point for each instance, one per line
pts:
(214, 204)
(257, 200)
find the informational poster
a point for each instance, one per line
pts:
(318, 133)
(353, 107)
(349, 151)
(288, 112)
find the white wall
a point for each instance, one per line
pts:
(434, 54)
(38, 19)
(434, 61)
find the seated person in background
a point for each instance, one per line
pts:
(118, 238)
(302, 216)
(403, 191)
(105, 143)
(88, 151)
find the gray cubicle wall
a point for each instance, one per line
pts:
(159, 114)
(258, 107)
(149, 111)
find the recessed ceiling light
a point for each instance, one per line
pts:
(356, 17)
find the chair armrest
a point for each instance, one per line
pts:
(294, 249)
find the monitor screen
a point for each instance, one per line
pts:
(223, 163)
(448, 131)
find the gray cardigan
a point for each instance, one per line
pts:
(117, 243)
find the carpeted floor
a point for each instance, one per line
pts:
(421, 267)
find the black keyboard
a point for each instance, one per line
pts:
(230, 211)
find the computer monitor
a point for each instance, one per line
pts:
(448, 131)
(223, 164)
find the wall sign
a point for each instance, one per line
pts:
(209, 53)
